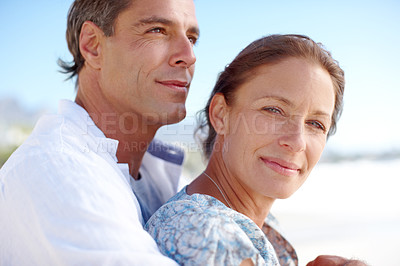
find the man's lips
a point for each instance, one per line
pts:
(175, 84)
(281, 166)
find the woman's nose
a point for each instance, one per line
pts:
(292, 136)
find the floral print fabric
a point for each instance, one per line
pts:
(200, 230)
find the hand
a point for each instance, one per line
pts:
(247, 262)
(327, 260)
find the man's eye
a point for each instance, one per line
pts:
(192, 39)
(157, 30)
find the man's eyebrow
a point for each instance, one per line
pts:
(155, 19)
(194, 30)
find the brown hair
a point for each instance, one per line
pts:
(268, 50)
(103, 13)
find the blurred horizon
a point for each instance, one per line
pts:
(360, 34)
(16, 116)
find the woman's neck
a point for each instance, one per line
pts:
(217, 181)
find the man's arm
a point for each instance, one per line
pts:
(56, 212)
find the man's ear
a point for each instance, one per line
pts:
(218, 113)
(90, 44)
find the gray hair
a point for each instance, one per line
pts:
(103, 13)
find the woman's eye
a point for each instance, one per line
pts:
(273, 110)
(317, 125)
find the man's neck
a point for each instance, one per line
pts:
(133, 135)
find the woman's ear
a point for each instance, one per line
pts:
(218, 113)
(90, 44)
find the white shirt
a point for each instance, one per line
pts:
(65, 200)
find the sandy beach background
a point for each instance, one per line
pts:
(350, 209)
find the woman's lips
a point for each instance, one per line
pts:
(281, 167)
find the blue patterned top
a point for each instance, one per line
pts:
(200, 230)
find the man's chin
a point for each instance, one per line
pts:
(166, 118)
(174, 118)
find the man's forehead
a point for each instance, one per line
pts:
(164, 11)
(164, 7)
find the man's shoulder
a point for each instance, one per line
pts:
(166, 151)
(56, 143)
(50, 135)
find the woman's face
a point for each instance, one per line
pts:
(277, 125)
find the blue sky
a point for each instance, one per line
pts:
(363, 36)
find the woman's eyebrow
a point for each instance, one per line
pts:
(321, 113)
(291, 104)
(280, 99)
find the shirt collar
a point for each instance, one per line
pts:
(80, 116)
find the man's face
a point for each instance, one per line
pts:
(148, 63)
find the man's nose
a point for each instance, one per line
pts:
(182, 53)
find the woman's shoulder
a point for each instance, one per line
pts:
(183, 208)
(200, 229)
